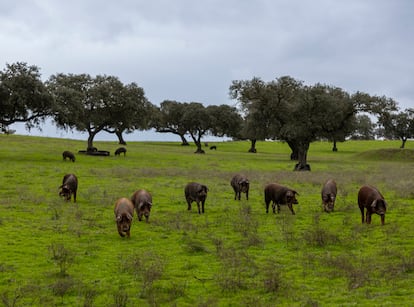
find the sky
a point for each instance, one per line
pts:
(190, 51)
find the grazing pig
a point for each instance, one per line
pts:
(120, 150)
(371, 199)
(69, 155)
(142, 201)
(196, 192)
(279, 195)
(69, 187)
(240, 184)
(124, 211)
(328, 194)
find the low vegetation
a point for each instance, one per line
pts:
(59, 253)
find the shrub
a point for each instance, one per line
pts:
(318, 236)
(62, 257)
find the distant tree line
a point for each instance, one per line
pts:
(282, 109)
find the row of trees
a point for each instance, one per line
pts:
(284, 109)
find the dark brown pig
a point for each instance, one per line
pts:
(328, 195)
(240, 184)
(142, 201)
(371, 199)
(120, 150)
(69, 186)
(69, 155)
(196, 192)
(124, 211)
(279, 195)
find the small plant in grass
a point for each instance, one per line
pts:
(10, 300)
(357, 271)
(192, 245)
(148, 267)
(89, 295)
(238, 270)
(62, 257)
(247, 225)
(319, 236)
(285, 222)
(62, 286)
(272, 277)
(176, 290)
(120, 298)
(218, 243)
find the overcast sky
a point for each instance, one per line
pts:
(188, 50)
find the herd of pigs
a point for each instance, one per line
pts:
(369, 199)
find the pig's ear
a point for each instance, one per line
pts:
(150, 204)
(374, 203)
(294, 192)
(118, 218)
(129, 216)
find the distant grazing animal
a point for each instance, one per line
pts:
(142, 201)
(69, 155)
(371, 199)
(279, 195)
(213, 147)
(69, 186)
(124, 211)
(120, 150)
(196, 192)
(328, 195)
(240, 184)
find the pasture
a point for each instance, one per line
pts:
(58, 253)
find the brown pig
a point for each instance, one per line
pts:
(279, 195)
(328, 195)
(371, 199)
(142, 201)
(124, 211)
(240, 184)
(69, 186)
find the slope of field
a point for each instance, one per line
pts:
(70, 254)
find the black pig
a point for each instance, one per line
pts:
(69, 155)
(120, 150)
(196, 192)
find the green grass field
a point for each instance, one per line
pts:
(57, 253)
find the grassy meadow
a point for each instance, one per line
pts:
(57, 253)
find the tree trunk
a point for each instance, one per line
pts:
(404, 139)
(334, 148)
(302, 164)
(90, 140)
(197, 142)
(120, 137)
(253, 146)
(184, 141)
(294, 156)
